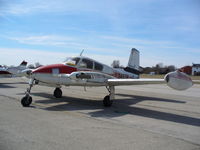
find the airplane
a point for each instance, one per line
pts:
(14, 71)
(84, 71)
(4, 72)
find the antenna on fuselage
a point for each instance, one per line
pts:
(81, 52)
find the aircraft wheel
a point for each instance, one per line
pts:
(57, 93)
(107, 102)
(26, 101)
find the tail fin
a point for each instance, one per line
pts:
(134, 59)
(134, 62)
(24, 63)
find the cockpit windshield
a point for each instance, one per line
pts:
(72, 61)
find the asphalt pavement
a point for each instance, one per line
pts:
(143, 117)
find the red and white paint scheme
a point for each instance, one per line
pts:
(13, 71)
(83, 71)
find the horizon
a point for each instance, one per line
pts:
(49, 31)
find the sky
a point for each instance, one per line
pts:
(49, 31)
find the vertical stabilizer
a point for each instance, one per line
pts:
(134, 59)
(134, 63)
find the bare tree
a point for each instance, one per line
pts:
(171, 68)
(159, 69)
(37, 65)
(31, 66)
(115, 64)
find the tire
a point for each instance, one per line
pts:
(57, 93)
(107, 102)
(26, 101)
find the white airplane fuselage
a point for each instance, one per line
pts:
(81, 71)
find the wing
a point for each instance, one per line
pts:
(117, 82)
(176, 80)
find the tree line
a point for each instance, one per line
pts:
(159, 68)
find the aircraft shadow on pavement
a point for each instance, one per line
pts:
(14, 83)
(8, 85)
(144, 98)
(120, 107)
(2, 85)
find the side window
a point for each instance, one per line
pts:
(98, 66)
(55, 71)
(86, 64)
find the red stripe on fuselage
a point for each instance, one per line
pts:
(63, 69)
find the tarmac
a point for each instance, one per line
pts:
(143, 117)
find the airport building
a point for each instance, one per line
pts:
(191, 70)
(196, 69)
(187, 70)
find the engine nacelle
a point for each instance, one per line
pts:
(80, 75)
(178, 80)
(26, 72)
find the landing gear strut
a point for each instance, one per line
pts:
(27, 99)
(57, 93)
(108, 100)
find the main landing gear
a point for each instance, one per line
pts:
(108, 100)
(27, 99)
(57, 93)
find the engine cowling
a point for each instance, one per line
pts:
(26, 72)
(178, 80)
(80, 75)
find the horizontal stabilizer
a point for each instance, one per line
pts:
(132, 70)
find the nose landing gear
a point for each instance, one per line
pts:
(27, 99)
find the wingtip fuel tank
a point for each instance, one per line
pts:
(178, 80)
